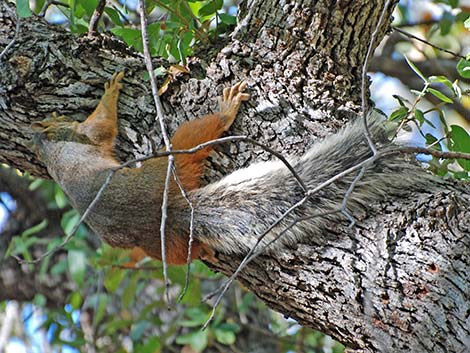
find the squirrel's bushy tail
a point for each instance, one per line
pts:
(232, 213)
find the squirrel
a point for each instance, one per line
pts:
(230, 214)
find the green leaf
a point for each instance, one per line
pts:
(443, 120)
(39, 300)
(88, 5)
(211, 7)
(198, 339)
(225, 337)
(195, 317)
(131, 36)
(113, 279)
(113, 15)
(226, 333)
(77, 262)
(76, 300)
(401, 100)
(461, 175)
(447, 20)
(460, 143)
(36, 183)
(419, 116)
(22, 8)
(152, 345)
(159, 71)
(99, 301)
(432, 140)
(60, 198)
(466, 23)
(439, 95)
(138, 329)
(69, 221)
(415, 69)
(59, 267)
(399, 114)
(453, 3)
(228, 19)
(35, 229)
(463, 68)
(128, 294)
(441, 79)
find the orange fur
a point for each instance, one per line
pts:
(101, 128)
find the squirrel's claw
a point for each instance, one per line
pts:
(230, 102)
(115, 83)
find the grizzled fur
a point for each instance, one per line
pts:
(231, 213)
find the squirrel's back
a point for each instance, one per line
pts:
(232, 213)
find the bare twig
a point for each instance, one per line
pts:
(416, 24)
(95, 18)
(409, 35)
(15, 36)
(219, 141)
(191, 234)
(365, 105)
(430, 151)
(161, 119)
(347, 195)
(48, 3)
(75, 228)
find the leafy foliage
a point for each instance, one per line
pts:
(432, 123)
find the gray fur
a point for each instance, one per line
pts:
(231, 214)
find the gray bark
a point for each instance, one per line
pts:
(398, 281)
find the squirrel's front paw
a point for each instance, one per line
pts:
(114, 85)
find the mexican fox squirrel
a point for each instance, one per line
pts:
(229, 215)
(99, 132)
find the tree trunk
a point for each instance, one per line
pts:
(399, 281)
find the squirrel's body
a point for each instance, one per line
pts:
(230, 214)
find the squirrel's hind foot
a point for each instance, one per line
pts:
(114, 85)
(230, 102)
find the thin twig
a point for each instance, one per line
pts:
(161, 119)
(75, 228)
(15, 36)
(240, 138)
(191, 234)
(365, 105)
(95, 18)
(347, 195)
(430, 151)
(409, 35)
(48, 3)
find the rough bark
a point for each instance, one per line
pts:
(399, 281)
